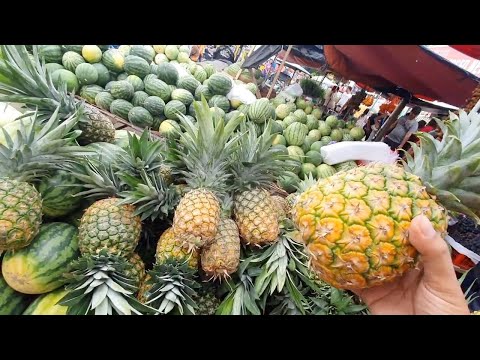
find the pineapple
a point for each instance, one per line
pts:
(27, 82)
(137, 271)
(207, 146)
(170, 247)
(206, 300)
(355, 223)
(281, 206)
(256, 165)
(108, 225)
(32, 155)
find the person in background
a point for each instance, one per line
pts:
(369, 123)
(403, 129)
(423, 127)
(378, 121)
(225, 53)
(326, 95)
(332, 100)
(363, 119)
(197, 52)
(344, 99)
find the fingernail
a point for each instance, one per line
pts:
(425, 226)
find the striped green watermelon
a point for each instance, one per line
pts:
(71, 60)
(157, 121)
(260, 111)
(139, 98)
(146, 52)
(160, 58)
(140, 117)
(289, 120)
(114, 60)
(122, 76)
(170, 129)
(136, 82)
(149, 77)
(296, 152)
(86, 74)
(219, 84)
(312, 122)
(58, 196)
(76, 48)
(103, 100)
(167, 73)
(121, 108)
(156, 87)
(188, 82)
(301, 116)
(336, 135)
(51, 53)
(203, 90)
(12, 302)
(233, 69)
(109, 85)
(173, 108)
(220, 101)
(63, 76)
(103, 74)
(325, 171)
(135, 65)
(182, 95)
(52, 67)
(217, 112)
(277, 127)
(295, 133)
(47, 304)
(252, 88)
(39, 268)
(153, 68)
(183, 57)
(191, 108)
(122, 90)
(89, 92)
(171, 51)
(154, 105)
(200, 74)
(209, 69)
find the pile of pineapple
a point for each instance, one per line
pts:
(195, 224)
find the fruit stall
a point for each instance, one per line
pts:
(134, 181)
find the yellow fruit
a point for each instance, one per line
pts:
(281, 206)
(92, 53)
(170, 247)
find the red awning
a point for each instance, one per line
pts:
(470, 50)
(411, 67)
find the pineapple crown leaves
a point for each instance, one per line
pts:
(97, 284)
(35, 152)
(284, 303)
(306, 183)
(327, 300)
(172, 287)
(255, 162)
(207, 146)
(242, 298)
(151, 196)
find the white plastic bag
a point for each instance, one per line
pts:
(288, 98)
(462, 249)
(294, 90)
(356, 150)
(181, 70)
(242, 94)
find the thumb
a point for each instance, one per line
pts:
(437, 263)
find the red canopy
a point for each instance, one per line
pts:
(470, 50)
(411, 67)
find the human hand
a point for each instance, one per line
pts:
(431, 290)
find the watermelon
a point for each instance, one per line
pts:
(185, 49)
(86, 74)
(171, 51)
(189, 83)
(290, 119)
(316, 146)
(39, 268)
(121, 108)
(92, 53)
(182, 95)
(313, 157)
(324, 171)
(191, 108)
(125, 49)
(312, 122)
(203, 90)
(307, 169)
(139, 98)
(58, 196)
(295, 134)
(47, 304)
(315, 134)
(136, 82)
(109, 85)
(71, 60)
(154, 105)
(357, 133)
(301, 104)
(301, 116)
(345, 166)
(114, 60)
(331, 121)
(233, 69)
(51, 53)
(326, 140)
(156, 87)
(219, 84)
(135, 65)
(282, 111)
(167, 73)
(75, 48)
(336, 135)
(347, 137)
(317, 113)
(209, 69)
(122, 76)
(159, 49)
(260, 111)
(288, 181)
(149, 77)
(89, 92)
(52, 67)
(157, 121)
(103, 74)
(169, 129)
(200, 74)
(63, 76)
(122, 90)
(219, 101)
(146, 52)
(229, 116)
(252, 88)
(160, 58)
(11, 301)
(324, 129)
(103, 100)
(296, 153)
(307, 142)
(277, 127)
(173, 108)
(183, 58)
(140, 117)
(308, 110)
(153, 68)
(279, 139)
(341, 124)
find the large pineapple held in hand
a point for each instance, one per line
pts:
(355, 223)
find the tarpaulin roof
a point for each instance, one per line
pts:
(396, 69)
(470, 50)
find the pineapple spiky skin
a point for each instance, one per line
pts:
(107, 225)
(145, 285)
(291, 198)
(206, 300)
(256, 217)
(137, 272)
(95, 127)
(355, 224)
(197, 217)
(170, 247)
(165, 172)
(282, 207)
(222, 257)
(20, 214)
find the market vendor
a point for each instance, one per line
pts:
(403, 129)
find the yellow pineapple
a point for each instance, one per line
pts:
(137, 272)
(170, 247)
(206, 150)
(281, 206)
(355, 224)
